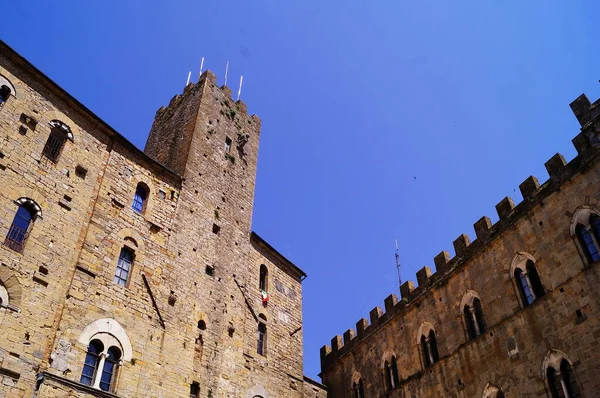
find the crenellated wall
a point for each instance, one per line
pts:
(539, 229)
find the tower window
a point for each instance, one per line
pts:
(90, 365)
(474, 319)
(358, 389)
(227, 144)
(261, 346)
(140, 199)
(59, 133)
(100, 366)
(4, 93)
(123, 267)
(391, 370)
(562, 382)
(429, 349)
(589, 237)
(195, 390)
(21, 225)
(262, 281)
(109, 369)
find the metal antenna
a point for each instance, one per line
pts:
(226, 71)
(201, 66)
(398, 266)
(189, 76)
(240, 90)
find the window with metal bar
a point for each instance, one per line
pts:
(19, 229)
(54, 144)
(123, 266)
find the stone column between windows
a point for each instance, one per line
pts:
(429, 353)
(99, 370)
(475, 323)
(562, 384)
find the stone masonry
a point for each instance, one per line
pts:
(516, 312)
(185, 322)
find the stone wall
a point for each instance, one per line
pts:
(190, 308)
(519, 340)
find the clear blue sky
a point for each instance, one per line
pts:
(381, 119)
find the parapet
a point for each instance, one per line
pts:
(587, 144)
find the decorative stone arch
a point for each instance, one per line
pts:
(13, 289)
(492, 391)
(387, 356)
(62, 126)
(131, 239)
(467, 299)
(36, 199)
(53, 115)
(31, 204)
(424, 330)
(105, 330)
(520, 261)
(4, 81)
(553, 359)
(490, 380)
(257, 391)
(581, 216)
(356, 376)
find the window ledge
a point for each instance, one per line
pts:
(45, 376)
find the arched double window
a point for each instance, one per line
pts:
(20, 228)
(528, 283)
(473, 315)
(140, 199)
(390, 368)
(429, 349)
(261, 344)
(560, 378)
(101, 366)
(59, 134)
(358, 389)
(587, 231)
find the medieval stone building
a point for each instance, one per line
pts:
(136, 274)
(515, 313)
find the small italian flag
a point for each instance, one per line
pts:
(265, 296)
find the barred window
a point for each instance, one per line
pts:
(19, 230)
(59, 134)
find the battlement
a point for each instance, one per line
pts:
(587, 143)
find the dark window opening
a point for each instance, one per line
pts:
(534, 278)
(209, 270)
(4, 93)
(262, 281)
(201, 325)
(261, 346)
(227, 144)
(55, 143)
(358, 389)
(195, 390)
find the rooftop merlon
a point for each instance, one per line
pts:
(529, 187)
(423, 275)
(461, 245)
(483, 228)
(505, 207)
(555, 165)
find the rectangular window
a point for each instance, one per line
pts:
(54, 145)
(123, 267)
(262, 334)
(195, 390)
(227, 144)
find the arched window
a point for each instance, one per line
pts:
(263, 278)
(140, 199)
(358, 389)
(261, 345)
(589, 237)
(534, 278)
(109, 371)
(19, 230)
(429, 349)
(124, 264)
(433, 346)
(474, 318)
(59, 133)
(391, 373)
(4, 298)
(562, 382)
(4, 94)
(525, 291)
(90, 365)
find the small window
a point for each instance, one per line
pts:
(195, 390)
(123, 266)
(391, 372)
(474, 319)
(90, 364)
(227, 144)
(358, 389)
(20, 228)
(261, 346)
(201, 325)
(524, 288)
(59, 133)
(140, 198)
(589, 238)
(262, 280)
(429, 349)
(4, 94)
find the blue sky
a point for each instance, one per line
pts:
(381, 119)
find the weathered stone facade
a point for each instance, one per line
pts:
(184, 319)
(514, 314)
